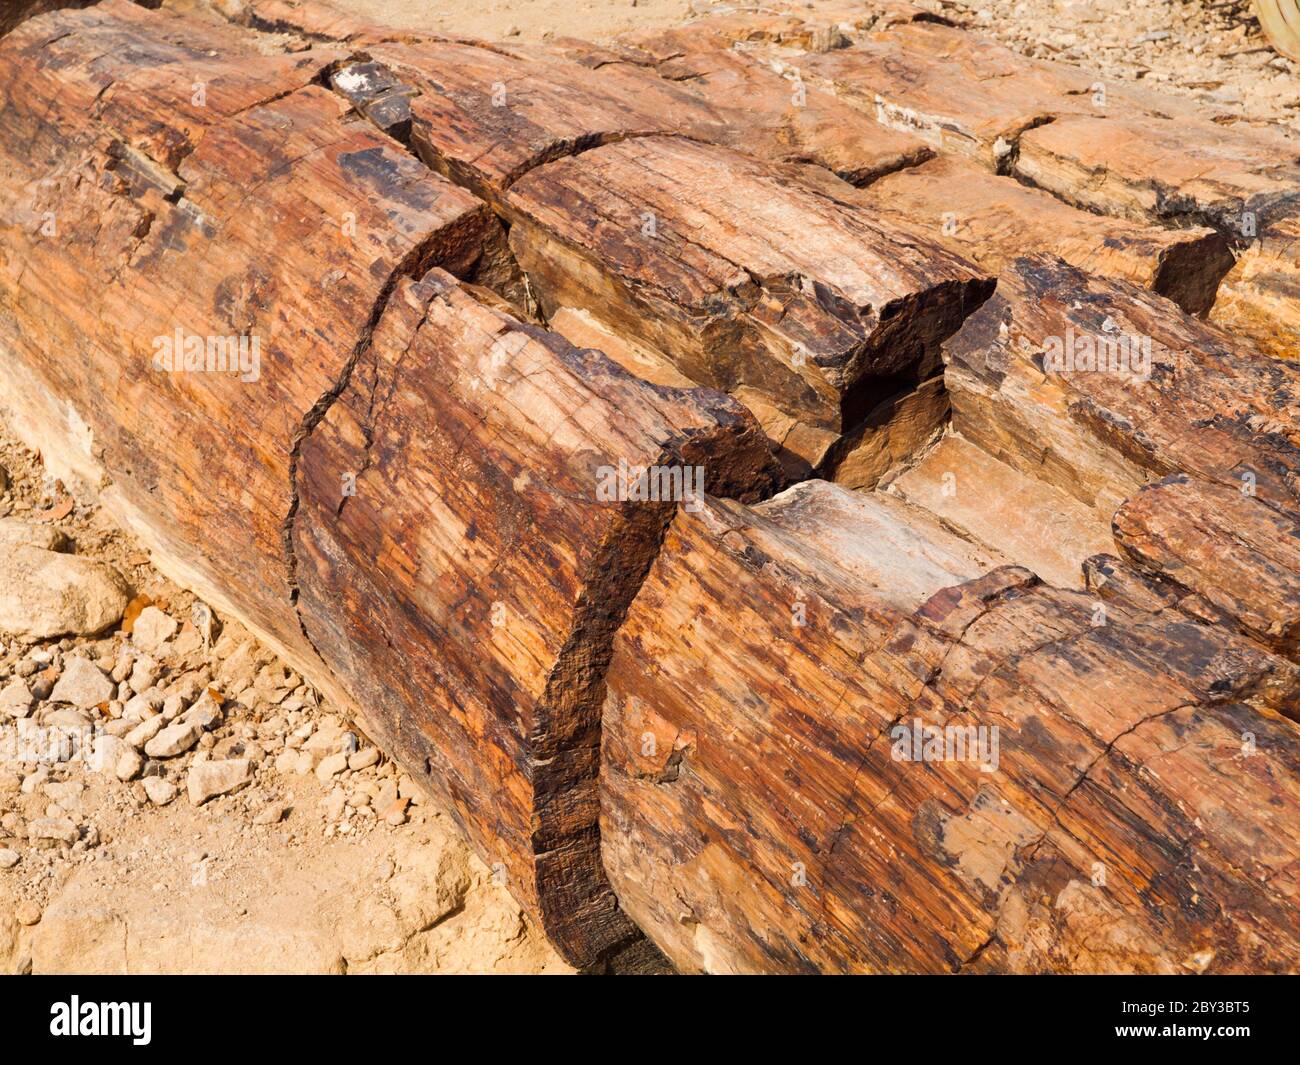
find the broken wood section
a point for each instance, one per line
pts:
(1098, 387)
(752, 734)
(484, 117)
(1018, 518)
(1235, 554)
(1260, 297)
(1173, 171)
(806, 311)
(960, 93)
(890, 437)
(468, 578)
(237, 373)
(771, 113)
(170, 290)
(993, 220)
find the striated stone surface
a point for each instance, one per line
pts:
(1260, 297)
(743, 280)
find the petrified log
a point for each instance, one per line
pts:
(466, 580)
(993, 220)
(259, 467)
(744, 280)
(1260, 297)
(1167, 170)
(763, 812)
(280, 347)
(958, 92)
(1237, 555)
(485, 117)
(1099, 387)
(771, 113)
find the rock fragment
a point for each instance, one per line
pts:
(332, 765)
(82, 684)
(15, 699)
(160, 791)
(54, 829)
(44, 593)
(174, 740)
(153, 628)
(207, 780)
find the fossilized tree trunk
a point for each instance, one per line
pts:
(1066, 520)
(264, 213)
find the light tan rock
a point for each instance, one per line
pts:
(332, 765)
(153, 628)
(145, 731)
(15, 699)
(83, 684)
(56, 829)
(174, 740)
(207, 780)
(14, 532)
(363, 759)
(44, 593)
(160, 791)
(129, 765)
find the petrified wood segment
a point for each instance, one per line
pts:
(485, 117)
(236, 373)
(110, 257)
(1173, 171)
(1099, 387)
(993, 220)
(960, 93)
(1239, 556)
(1019, 518)
(314, 20)
(744, 280)
(1260, 297)
(757, 755)
(435, 510)
(770, 112)
(468, 580)
(892, 434)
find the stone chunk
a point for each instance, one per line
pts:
(82, 684)
(207, 780)
(153, 628)
(44, 593)
(174, 740)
